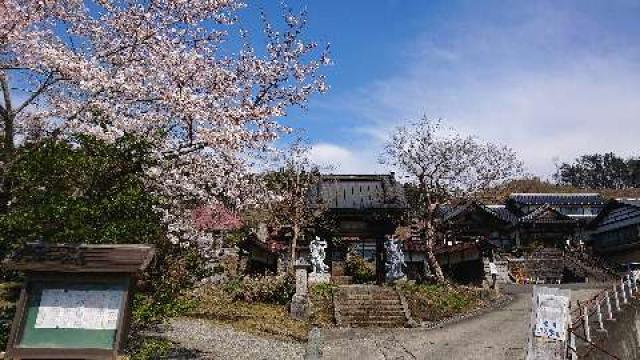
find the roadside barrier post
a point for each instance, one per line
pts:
(609, 312)
(599, 313)
(572, 341)
(572, 344)
(615, 293)
(585, 321)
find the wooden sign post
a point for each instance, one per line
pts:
(75, 303)
(548, 330)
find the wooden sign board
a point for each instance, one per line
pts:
(65, 313)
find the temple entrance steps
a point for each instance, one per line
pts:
(369, 306)
(342, 280)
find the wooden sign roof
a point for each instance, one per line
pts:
(42, 257)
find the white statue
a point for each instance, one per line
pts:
(317, 249)
(395, 259)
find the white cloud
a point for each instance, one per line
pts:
(344, 161)
(526, 85)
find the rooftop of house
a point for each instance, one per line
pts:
(361, 192)
(629, 201)
(557, 199)
(503, 213)
(617, 213)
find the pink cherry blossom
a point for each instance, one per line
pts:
(183, 74)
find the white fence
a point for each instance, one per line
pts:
(589, 316)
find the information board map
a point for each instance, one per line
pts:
(79, 309)
(552, 316)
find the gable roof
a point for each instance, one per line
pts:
(502, 215)
(361, 192)
(546, 214)
(617, 212)
(503, 212)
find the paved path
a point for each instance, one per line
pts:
(497, 335)
(202, 339)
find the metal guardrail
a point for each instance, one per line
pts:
(600, 307)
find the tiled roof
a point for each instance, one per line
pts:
(617, 213)
(503, 213)
(555, 199)
(632, 202)
(361, 192)
(497, 211)
(546, 214)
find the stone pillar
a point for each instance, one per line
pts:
(282, 263)
(300, 302)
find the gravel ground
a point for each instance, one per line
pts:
(202, 339)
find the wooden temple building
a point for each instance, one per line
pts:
(528, 228)
(615, 232)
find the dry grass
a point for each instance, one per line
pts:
(261, 319)
(321, 298)
(438, 302)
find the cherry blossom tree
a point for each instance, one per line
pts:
(182, 74)
(293, 202)
(443, 165)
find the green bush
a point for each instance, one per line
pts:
(262, 289)
(8, 296)
(150, 349)
(85, 190)
(323, 290)
(361, 271)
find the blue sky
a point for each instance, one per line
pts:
(552, 79)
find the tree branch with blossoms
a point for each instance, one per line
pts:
(442, 166)
(165, 71)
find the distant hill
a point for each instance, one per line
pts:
(534, 185)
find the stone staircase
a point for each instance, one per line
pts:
(370, 306)
(342, 280)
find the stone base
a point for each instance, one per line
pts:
(315, 278)
(299, 309)
(397, 280)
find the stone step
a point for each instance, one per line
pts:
(365, 288)
(367, 297)
(379, 323)
(355, 318)
(368, 306)
(372, 314)
(342, 280)
(371, 304)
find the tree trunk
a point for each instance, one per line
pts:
(8, 144)
(429, 235)
(294, 245)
